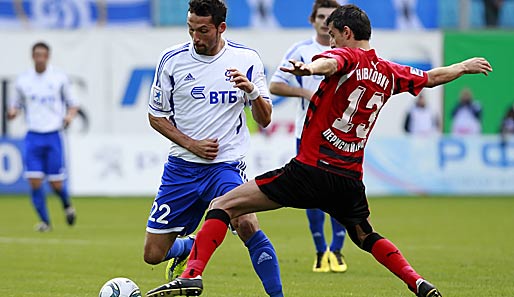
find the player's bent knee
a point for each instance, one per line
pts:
(152, 255)
(246, 226)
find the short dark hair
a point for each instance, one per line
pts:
(355, 18)
(41, 44)
(214, 8)
(322, 4)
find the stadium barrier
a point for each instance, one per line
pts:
(127, 165)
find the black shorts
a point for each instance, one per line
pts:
(299, 185)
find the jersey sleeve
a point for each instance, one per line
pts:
(286, 77)
(67, 94)
(159, 103)
(256, 75)
(17, 100)
(346, 59)
(408, 79)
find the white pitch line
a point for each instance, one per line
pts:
(43, 240)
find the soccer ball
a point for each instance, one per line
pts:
(120, 287)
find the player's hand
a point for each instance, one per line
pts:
(240, 80)
(206, 148)
(67, 121)
(477, 65)
(298, 68)
(11, 113)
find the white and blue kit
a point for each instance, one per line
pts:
(300, 51)
(45, 98)
(194, 92)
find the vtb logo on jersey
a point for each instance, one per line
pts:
(215, 97)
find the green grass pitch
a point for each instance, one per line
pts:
(464, 246)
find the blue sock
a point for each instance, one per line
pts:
(265, 263)
(39, 202)
(316, 220)
(64, 195)
(338, 235)
(180, 248)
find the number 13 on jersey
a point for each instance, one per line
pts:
(345, 124)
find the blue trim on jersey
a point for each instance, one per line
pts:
(158, 109)
(165, 59)
(172, 103)
(238, 128)
(237, 45)
(249, 73)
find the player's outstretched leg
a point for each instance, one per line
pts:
(390, 256)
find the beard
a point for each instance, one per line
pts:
(201, 49)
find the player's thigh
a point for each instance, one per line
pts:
(34, 156)
(54, 160)
(221, 179)
(244, 199)
(178, 207)
(347, 201)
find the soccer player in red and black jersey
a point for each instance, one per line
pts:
(327, 173)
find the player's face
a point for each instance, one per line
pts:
(40, 57)
(206, 37)
(319, 21)
(338, 38)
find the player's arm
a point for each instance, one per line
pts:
(442, 75)
(70, 115)
(261, 108)
(206, 148)
(283, 89)
(320, 66)
(16, 102)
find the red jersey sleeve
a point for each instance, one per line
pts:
(345, 58)
(408, 79)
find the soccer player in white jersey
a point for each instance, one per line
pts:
(197, 99)
(302, 87)
(44, 95)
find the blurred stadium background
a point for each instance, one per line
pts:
(110, 47)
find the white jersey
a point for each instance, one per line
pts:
(45, 97)
(195, 94)
(301, 51)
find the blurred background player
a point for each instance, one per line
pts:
(302, 88)
(44, 95)
(467, 115)
(420, 120)
(327, 173)
(197, 101)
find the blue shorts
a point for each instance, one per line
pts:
(185, 193)
(44, 156)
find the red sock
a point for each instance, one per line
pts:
(388, 255)
(210, 236)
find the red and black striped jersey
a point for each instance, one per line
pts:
(343, 110)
